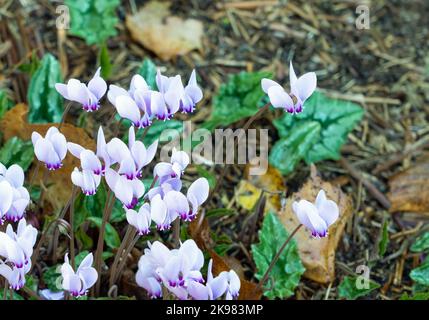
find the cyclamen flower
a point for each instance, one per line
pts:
(51, 149)
(178, 163)
(6, 198)
(178, 97)
(135, 104)
(14, 175)
(198, 192)
(127, 191)
(17, 248)
(89, 160)
(225, 282)
(301, 89)
(131, 158)
(141, 220)
(78, 283)
(14, 276)
(160, 214)
(88, 96)
(87, 180)
(319, 216)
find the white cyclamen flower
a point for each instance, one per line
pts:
(88, 96)
(51, 149)
(78, 283)
(319, 216)
(301, 89)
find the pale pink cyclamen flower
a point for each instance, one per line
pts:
(178, 97)
(215, 287)
(301, 89)
(86, 180)
(127, 191)
(14, 175)
(178, 204)
(51, 149)
(317, 217)
(78, 283)
(175, 168)
(131, 158)
(88, 96)
(134, 104)
(17, 248)
(14, 276)
(141, 220)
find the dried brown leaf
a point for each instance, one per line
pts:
(168, 36)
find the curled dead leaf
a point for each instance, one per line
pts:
(318, 255)
(167, 36)
(14, 124)
(409, 189)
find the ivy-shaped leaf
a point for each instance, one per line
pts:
(328, 122)
(237, 99)
(17, 151)
(46, 104)
(421, 244)
(350, 288)
(93, 20)
(111, 236)
(148, 72)
(421, 274)
(288, 269)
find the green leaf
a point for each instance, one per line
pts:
(5, 103)
(111, 236)
(421, 244)
(219, 212)
(105, 63)
(348, 288)
(416, 296)
(323, 127)
(17, 151)
(237, 99)
(31, 66)
(52, 278)
(288, 269)
(289, 151)
(46, 104)
(93, 20)
(156, 129)
(421, 273)
(148, 72)
(384, 239)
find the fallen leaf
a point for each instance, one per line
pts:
(14, 124)
(318, 255)
(409, 188)
(168, 36)
(249, 190)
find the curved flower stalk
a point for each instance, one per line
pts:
(78, 283)
(127, 191)
(132, 158)
(88, 96)
(178, 270)
(90, 161)
(301, 89)
(317, 217)
(51, 149)
(17, 248)
(12, 183)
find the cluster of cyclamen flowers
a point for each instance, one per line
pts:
(178, 270)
